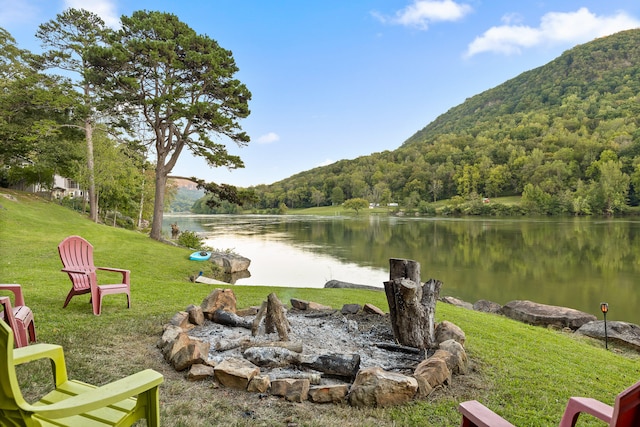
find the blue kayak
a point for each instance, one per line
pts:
(200, 256)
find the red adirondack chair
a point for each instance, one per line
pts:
(77, 258)
(624, 413)
(19, 317)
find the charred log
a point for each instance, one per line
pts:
(230, 319)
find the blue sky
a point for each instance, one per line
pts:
(338, 79)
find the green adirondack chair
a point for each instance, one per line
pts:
(73, 403)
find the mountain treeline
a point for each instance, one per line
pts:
(564, 136)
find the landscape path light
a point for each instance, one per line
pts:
(604, 308)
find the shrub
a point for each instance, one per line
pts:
(190, 240)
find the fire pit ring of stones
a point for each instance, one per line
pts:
(330, 356)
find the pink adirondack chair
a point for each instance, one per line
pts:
(19, 317)
(77, 258)
(624, 413)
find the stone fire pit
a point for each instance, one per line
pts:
(329, 355)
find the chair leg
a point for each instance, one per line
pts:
(21, 336)
(153, 408)
(32, 331)
(69, 296)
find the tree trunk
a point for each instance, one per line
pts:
(158, 203)
(93, 205)
(141, 206)
(412, 305)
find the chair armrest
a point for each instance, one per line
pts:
(41, 351)
(17, 292)
(125, 273)
(587, 405)
(101, 397)
(83, 271)
(475, 414)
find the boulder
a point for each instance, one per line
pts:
(319, 307)
(377, 387)
(235, 373)
(626, 334)
(170, 334)
(181, 320)
(199, 372)
(230, 263)
(195, 352)
(446, 330)
(457, 302)
(259, 384)
(335, 393)
(178, 343)
(432, 373)
(459, 364)
(546, 315)
(337, 284)
(299, 304)
(487, 306)
(196, 316)
(219, 299)
(351, 309)
(292, 389)
(372, 309)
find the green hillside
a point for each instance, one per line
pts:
(565, 136)
(525, 373)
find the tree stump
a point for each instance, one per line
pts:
(412, 305)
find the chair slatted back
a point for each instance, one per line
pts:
(76, 253)
(626, 411)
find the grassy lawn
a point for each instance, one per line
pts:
(524, 373)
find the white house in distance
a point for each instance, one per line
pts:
(62, 187)
(67, 187)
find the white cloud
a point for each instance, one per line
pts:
(424, 12)
(327, 162)
(555, 28)
(268, 138)
(105, 9)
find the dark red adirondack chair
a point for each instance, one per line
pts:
(624, 413)
(77, 258)
(19, 317)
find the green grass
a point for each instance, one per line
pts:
(524, 373)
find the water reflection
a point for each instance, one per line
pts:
(569, 262)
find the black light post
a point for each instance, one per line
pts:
(604, 308)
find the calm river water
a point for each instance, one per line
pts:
(570, 262)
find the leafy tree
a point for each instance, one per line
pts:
(337, 196)
(497, 179)
(182, 85)
(468, 180)
(117, 178)
(356, 204)
(612, 187)
(68, 38)
(32, 107)
(317, 196)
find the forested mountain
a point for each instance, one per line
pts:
(566, 136)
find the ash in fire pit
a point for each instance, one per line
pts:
(361, 337)
(328, 355)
